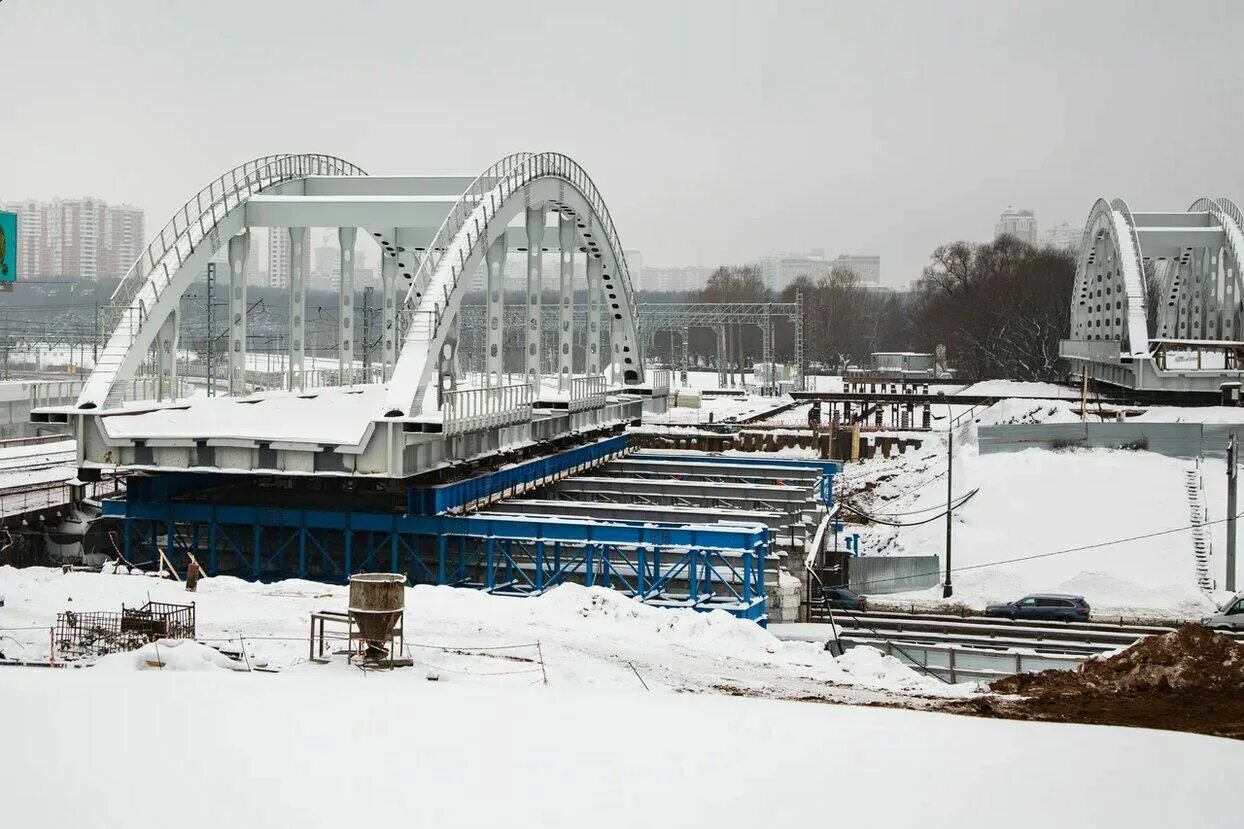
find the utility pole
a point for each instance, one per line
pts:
(367, 334)
(1232, 464)
(947, 589)
(211, 338)
(95, 343)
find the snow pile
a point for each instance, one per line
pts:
(168, 655)
(869, 666)
(1013, 410)
(1018, 388)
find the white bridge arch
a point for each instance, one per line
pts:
(1156, 304)
(435, 233)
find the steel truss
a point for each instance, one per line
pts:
(680, 317)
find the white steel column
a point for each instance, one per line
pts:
(593, 314)
(565, 297)
(447, 363)
(239, 248)
(297, 306)
(345, 308)
(388, 333)
(166, 357)
(493, 362)
(535, 285)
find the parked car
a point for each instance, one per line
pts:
(1048, 607)
(1230, 616)
(840, 598)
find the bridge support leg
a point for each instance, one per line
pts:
(535, 286)
(345, 307)
(446, 363)
(565, 301)
(239, 248)
(297, 306)
(494, 363)
(388, 323)
(166, 357)
(593, 315)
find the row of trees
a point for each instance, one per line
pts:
(1000, 308)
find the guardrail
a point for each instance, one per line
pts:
(963, 664)
(587, 393)
(511, 481)
(473, 410)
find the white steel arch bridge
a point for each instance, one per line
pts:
(1157, 301)
(435, 234)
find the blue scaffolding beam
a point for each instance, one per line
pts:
(828, 469)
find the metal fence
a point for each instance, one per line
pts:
(1177, 440)
(473, 410)
(892, 574)
(587, 393)
(96, 633)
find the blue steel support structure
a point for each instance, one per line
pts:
(705, 567)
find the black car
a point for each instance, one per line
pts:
(840, 598)
(1047, 607)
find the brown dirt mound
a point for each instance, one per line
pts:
(1191, 679)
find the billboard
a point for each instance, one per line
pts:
(8, 247)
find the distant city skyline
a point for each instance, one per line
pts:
(82, 237)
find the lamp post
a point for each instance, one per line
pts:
(947, 589)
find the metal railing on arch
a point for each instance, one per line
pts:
(200, 216)
(490, 191)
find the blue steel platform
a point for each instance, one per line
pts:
(714, 566)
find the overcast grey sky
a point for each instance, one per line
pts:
(717, 131)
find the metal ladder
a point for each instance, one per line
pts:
(1202, 544)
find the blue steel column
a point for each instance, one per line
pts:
(346, 237)
(565, 297)
(239, 248)
(535, 285)
(297, 306)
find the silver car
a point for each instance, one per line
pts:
(1230, 616)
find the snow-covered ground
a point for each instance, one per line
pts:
(488, 743)
(588, 636)
(1061, 512)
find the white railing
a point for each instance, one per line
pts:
(587, 393)
(53, 393)
(474, 410)
(661, 382)
(491, 190)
